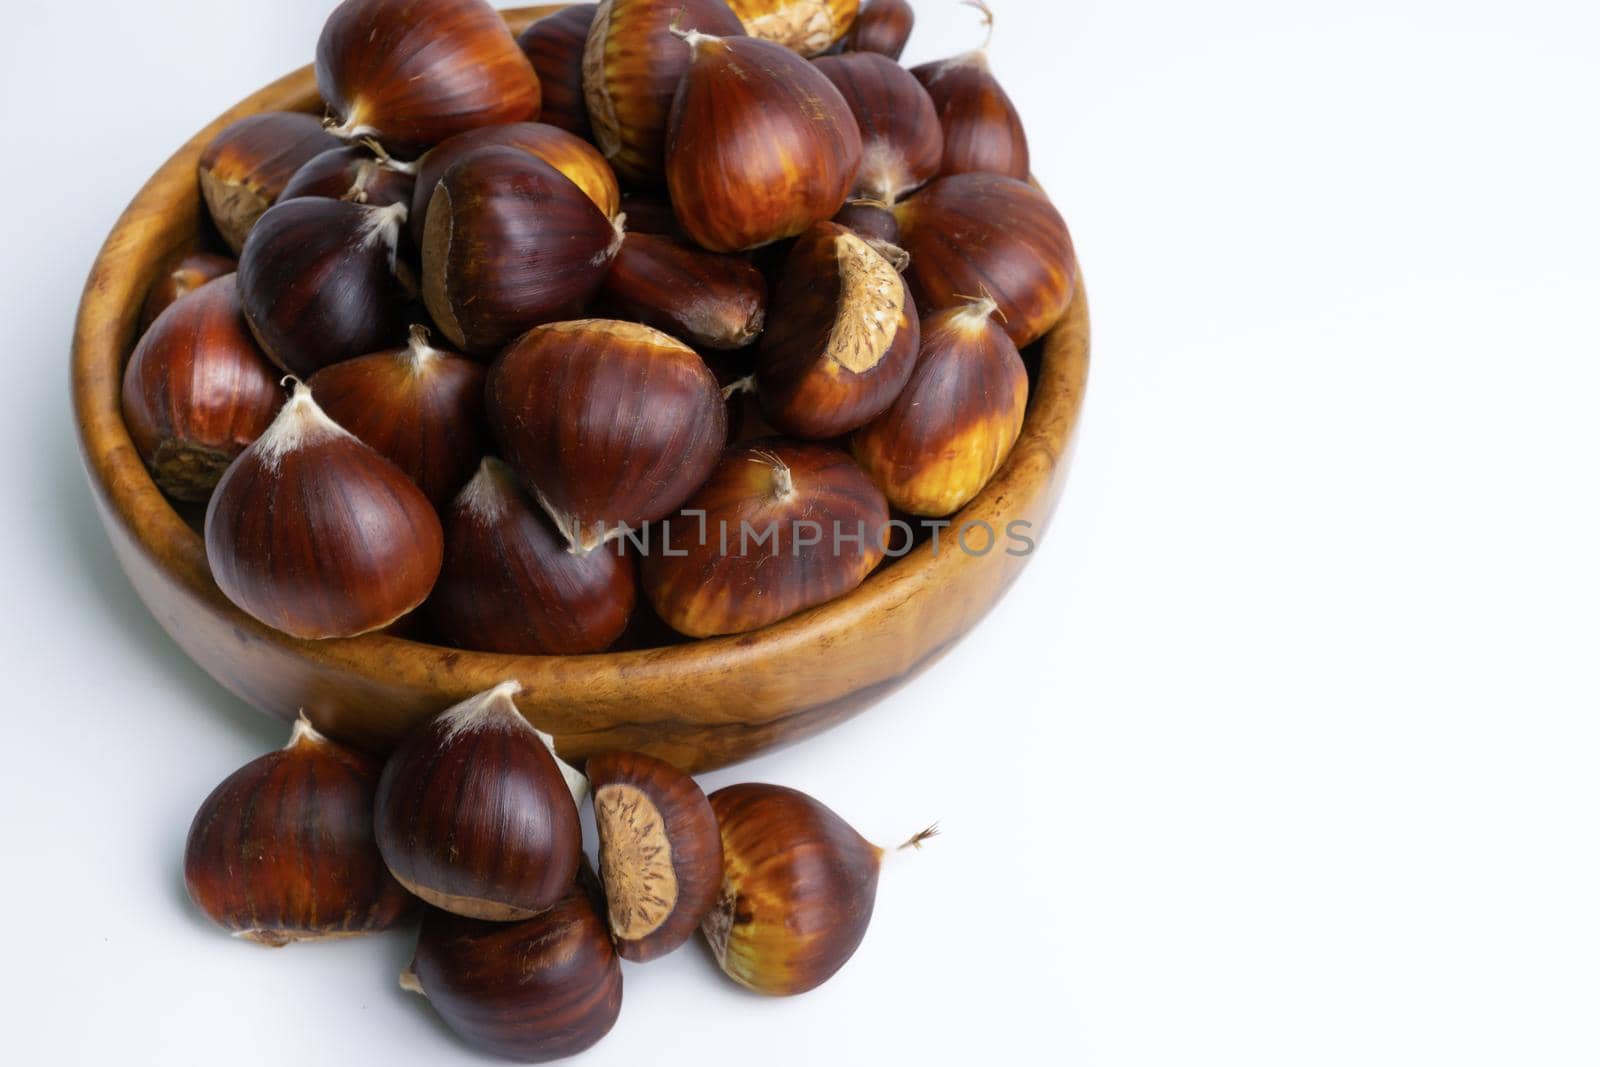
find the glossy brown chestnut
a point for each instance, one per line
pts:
(554, 45)
(608, 424)
(282, 850)
(509, 583)
(955, 422)
(531, 991)
(982, 131)
(510, 243)
(902, 146)
(870, 219)
(809, 27)
(882, 26)
(786, 526)
(246, 166)
(315, 534)
(475, 815)
(660, 853)
(632, 65)
(843, 338)
(709, 300)
(420, 407)
(980, 234)
(651, 213)
(411, 74)
(352, 173)
(189, 273)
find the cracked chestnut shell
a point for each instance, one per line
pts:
(660, 852)
(189, 273)
(809, 27)
(710, 300)
(245, 167)
(351, 173)
(282, 850)
(902, 147)
(882, 26)
(982, 131)
(554, 45)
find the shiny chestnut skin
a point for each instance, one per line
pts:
(980, 234)
(510, 243)
(411, 74)
(245, 167)
(197, 390)
(982, 131)
(608, 424)
(554, 45)
(660, 852)
(282, 850)
(902, 146)
(777, 507)
(511, 585)
(843, 337)
(809, 27)
(872, 220)
(474, 815)
(190, 272)
(632, 65)
(709, 300)
(882, 26)
(352, 173)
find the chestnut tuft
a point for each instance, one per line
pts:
(245, 167)
(352, 173)
(902, 147)
(883, 26)
(282, 850)
(809, 27)
(554, 45)
(189, 273)
(982, 131)
(709, 300)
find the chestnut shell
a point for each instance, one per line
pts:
(190, 272)
(982, 131)
(709, 300)
(902, 146)
(351, 173)
(245, 167)
(554, 45)
(882, 26)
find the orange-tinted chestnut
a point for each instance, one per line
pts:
(352, 173)
(608, 424)
(980, 234)
(809, 27)
(475, 815)
(954, 424)
(785, 526)
(982, 131)
(411, 74)
(882, 26)
(245, 167)
(282, 850)
(632, 65)
(761, 145)
(315, 534)
(511, 585)
(710, 300)
(902, 146)
(843, 336)
(660, 853)
(190, 272)
(510, 243)
(554, 45)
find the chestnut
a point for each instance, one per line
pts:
(554, 45)
(608, 424)
(197, 391)
(709, 300)
(474, 814)
(982, 131)
(510, 585)
(780, 527)
(420, 407)
(282, 850)
(902, 146)
(537, 990)
(410, 75)
(872, 220)
(632, 65)
(315, 534)
(245, 167)
(352, 173)
(190, 272)
(981, 234)
(843, 338)
(882, 26)
(760, 144)
(809, 27)
(954, 424)
(510, 243)
(652, 214)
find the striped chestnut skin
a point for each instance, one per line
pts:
(474, 814)
(843, 339)
(197, 390)
(809, 27)
(980, 234)
(902, 146)
(787, 525)
(660, 852)
(632, 65)
(554, 45)
(709, 300)
(954, 424)
(608, 424)
(531, 991)
(760, 144)
(982, 131)
(510, 585)
(410, 73)
(882, 26)
(245, 167)
(282, 850)
(351, 173)
(190, 272)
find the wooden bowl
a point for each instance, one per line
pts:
(701, 705)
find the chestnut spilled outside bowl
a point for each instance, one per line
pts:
(699, 705)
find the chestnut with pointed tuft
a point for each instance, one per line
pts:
(809, 27)
(245, 167)
(902, 146)
(882, 26)
(982, 131)
(353, 173)
(554, 45)
(189, 273)
(709, 300)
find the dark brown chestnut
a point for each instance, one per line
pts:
(475, 815)
(982, 131)
(190, 272)
(197, 391)
(809, 27)
(709, 300)
(843, 337)
(660, 853)
(245, 167)
(410, 74)
(355, 174)
(554, 45)
(509, 583)
(651, 213)
(780, 527)
(608, 424)
(282, 850)
(882, 26)
(870, 219)
(902, 146)
(760, 144)
(510, 243)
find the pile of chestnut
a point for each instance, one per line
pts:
(489, 381)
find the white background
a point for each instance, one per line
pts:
(1285, 750)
